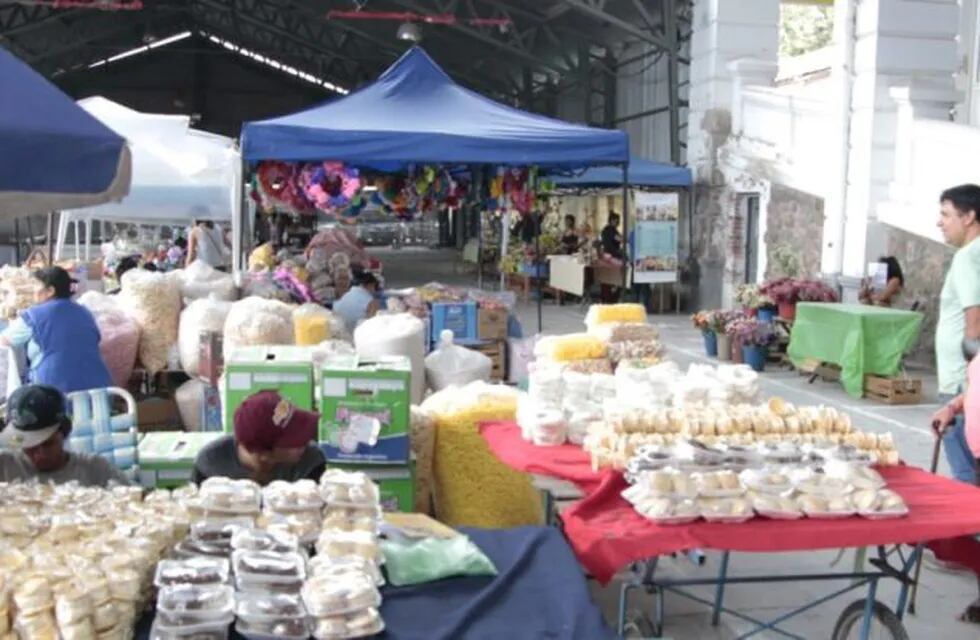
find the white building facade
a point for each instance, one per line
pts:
(837, 157)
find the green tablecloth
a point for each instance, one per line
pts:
(860, 339)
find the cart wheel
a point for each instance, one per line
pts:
(888, 625)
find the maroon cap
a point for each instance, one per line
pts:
(266, 421)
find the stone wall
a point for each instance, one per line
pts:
(924, 264)
(794, 219)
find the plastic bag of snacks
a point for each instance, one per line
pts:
(17, 287)
(600, 314)
(574, 346)
(201, 280)
(257, 321)
(208, 314)
(472, 487)
(153, 300)
(311, 324)
(119, 345)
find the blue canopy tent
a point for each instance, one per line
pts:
(642, 173)
(53, 155)
(415, 113)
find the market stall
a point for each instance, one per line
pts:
(68, 159)
(179, 175)
(861, 339)
(655, 192)
(608, 534)
(441, 123)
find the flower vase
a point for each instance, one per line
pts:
(710, 343)
(755, 356)
(765, 314)
(736, 351)
(724, 347)
(787, 311)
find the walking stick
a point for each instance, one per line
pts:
(939, 431)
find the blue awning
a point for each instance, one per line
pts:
(53, 155)
(642, 173)
(415, 113)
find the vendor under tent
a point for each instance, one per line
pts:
(179, 174)
(656, 189)
(53, 155)
(415, 113)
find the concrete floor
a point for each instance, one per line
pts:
(942, 595)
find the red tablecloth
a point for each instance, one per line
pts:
(607, 533)
(566, 462)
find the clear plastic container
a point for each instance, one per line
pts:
(261, 606)
(282, 629)
(348, 488)
(197, 571)
(222, 495)
(285, 497)
(304, 525)
(259, 540)
(340, 594)
(366, 522)
(268, 566)
(355, 625)
(265, 586)
(326, 566)
(188, 605)
(349, 543)
(191, 548)
(218, 534)
(216, 630)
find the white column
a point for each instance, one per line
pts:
(894, 41)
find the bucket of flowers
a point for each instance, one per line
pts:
(754, 303)
(755, 338)
(705, 322)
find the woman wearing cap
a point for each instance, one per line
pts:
(273, 440)
(61, 337)
(36, 430)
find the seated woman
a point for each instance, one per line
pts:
(894, 283)
(359, 302)
(273, 440)
(61, 337)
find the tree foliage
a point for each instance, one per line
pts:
(804, 28)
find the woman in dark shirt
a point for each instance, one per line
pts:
(570, 241)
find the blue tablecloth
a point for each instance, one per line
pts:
(539, 592)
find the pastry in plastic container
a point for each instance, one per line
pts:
(730, 510)
(324, 566)
(669, 483)
(339, 594)
(348, 488)
(354, 625)
(303, 525)
(263, 616)
(344, 543)
(216, 630)
(269, 566)
(719, 484)
(776, 507)
(189, 605)
(771, 481)
(250, 539)
(858, 475)
(342, 522)
(817, 506)
(881, 505)
(668, 510)
(820, 484)
(191, 548)
(197, 571)
(222, 495)
(284, 497)
(218, 534)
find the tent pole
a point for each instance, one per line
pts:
(628, 249)
(17, 241)
(50, 233)
(536, 266)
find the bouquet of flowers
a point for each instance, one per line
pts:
(816, 291)
(793, 290)
(749, 296)
(702, 320)
(751, 332)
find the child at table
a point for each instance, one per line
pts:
(967, 403)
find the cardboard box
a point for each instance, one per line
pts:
(494, 350)
(166, 458)
(364, 409)
(458, 317)
(396, 483)
(286, 369)
(492, 324)
(156, 414)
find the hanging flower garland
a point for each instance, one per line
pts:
(275, 187)
(330, 186)
(513, 188)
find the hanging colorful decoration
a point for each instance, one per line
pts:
(275, 187)
(330, 186)
(513, 188)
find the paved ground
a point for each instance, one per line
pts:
(942, 595)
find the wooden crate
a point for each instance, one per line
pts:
(900, 390)
(496, 350)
